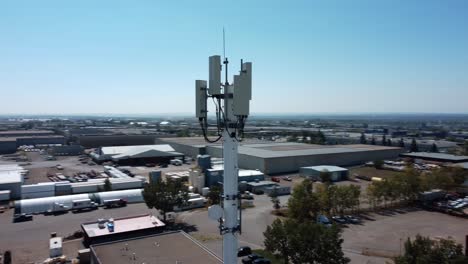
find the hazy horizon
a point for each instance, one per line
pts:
(111, 57)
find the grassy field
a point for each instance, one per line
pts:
(268, 255)
(373, 172)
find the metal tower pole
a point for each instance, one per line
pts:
(230, 202)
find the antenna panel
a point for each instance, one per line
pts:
(215, 75)
(243, 90)
(200, 97)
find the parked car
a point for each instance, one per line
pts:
(287, 178)
(59, 167)
(150, 165)
(321, 219)
(22, 217)
(262, 261)
(340, 220)
(244, 251)
(352, 219)
(250, 258)
(164, 165)
(115, 203)
(275, 179)
(247, 196)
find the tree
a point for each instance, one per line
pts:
(389, 142)
(401, 144)
(434, 148)
(414, 146)
(274, 199)
(305, 242)
(303, 204)
(107, 185)
(165, 195)
(423, 250)
(277, 239)
(325, 176)
(363, 139)
(373, 140)
(384, 140)
(214, 196)
(7, 257)
(378, 164)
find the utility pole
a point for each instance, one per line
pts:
(232, 109)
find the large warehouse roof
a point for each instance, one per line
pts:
(436, 156)
(277, 150)
(133, 149)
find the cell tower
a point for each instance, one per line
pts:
(232, 109)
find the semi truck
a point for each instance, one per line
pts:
(83, 204)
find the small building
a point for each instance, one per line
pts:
(166, 248)
(260, 186)
(105, 230)
(215, 176)
(279, 190)
(313, 172)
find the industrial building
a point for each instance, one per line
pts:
(11, 179)
(9, 142)
(165, 248)
(276, 158)
(137, 155)
(314, 172)
(439, 157)
(67, 150)
(120, 228)
(50, 204)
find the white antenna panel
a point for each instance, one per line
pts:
(200, 97)
(243, 90)
(215, 75)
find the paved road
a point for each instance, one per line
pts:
(30, 239)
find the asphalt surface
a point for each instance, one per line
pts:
(29, 241)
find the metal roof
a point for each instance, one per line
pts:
(10, 177)
(122, 149)
(146, 153)
(326, 168)
(278, 150)
(438, 156)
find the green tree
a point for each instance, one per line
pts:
(303, 204)
(214, 196)
(414, 146)
(378, 164)
(373, 140)
(305, 242)
(363, 139)
(326, 176)
(274, 199)
(107, 185)
(277, 238)
(7, 257)
(165, 195)
(389, 142)
(401, 144)
(384, 140)
(423, 250)
(434, 148)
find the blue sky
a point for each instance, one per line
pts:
(142, 57)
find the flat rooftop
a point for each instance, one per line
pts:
(10, 177)
(277, 150)
(12, 138)
(326, 168)
(436, 156)
(25, 132)
(166, 248)
(122, 225)
(201, 142)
